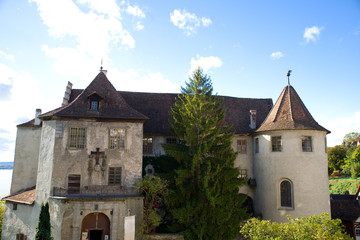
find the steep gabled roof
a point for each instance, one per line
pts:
(26, 196)
(289, 113)
(157, 107)
(112, 105)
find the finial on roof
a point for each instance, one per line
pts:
(288, 75)
(101, 67)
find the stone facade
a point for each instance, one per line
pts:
(85, 156)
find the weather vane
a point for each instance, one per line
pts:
(101, 67)
(288, 75)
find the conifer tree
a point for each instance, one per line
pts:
(43, 230)
(206, 199)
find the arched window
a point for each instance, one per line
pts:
(286, 194)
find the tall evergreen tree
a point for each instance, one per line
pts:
(43, 230)
(206, 199)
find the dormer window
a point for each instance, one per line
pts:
(94, 101)
(94, 105)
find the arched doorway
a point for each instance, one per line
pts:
(95, 226)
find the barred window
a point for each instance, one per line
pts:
(243, 173)
(256, 145)
(74, 184)
(21, 236)
(147, 145)
(241, 146)
(276, 143)
(286, 193)
(114, 176)
(117, 138)
(77, 138)
(306, 143)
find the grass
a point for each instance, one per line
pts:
(342, 184)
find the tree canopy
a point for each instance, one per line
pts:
(205, 198)
(351, 139)
(336, 157)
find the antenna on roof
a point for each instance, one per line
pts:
(288, 75)
(101, 67)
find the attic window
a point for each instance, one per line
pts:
(94, 105)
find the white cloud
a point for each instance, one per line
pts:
(276, 55)
(108, 7)
(341, 126)
(133, 80)
(205, 63)
(139, 26)
(135, 11)
(188, 22)
(312, 34)
(8, 57)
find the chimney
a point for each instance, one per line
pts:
(252, 119)
(67, 94)
(37, 119)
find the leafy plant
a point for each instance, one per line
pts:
(2, 207)
(154, 189)
(319, 227)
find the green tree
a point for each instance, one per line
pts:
(317, 227)
(351, 139)
(43, 230)
(205, 199)
(336, 157)
(154, 190)
(2, 207)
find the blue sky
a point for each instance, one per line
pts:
(245, 46)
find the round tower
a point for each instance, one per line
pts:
(290, 162)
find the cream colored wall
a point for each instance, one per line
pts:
(306, 170)
(244, 161)
(75, 161)
(26, 158)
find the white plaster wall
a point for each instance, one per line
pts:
(26, 158)
(75, 161)
(244, 161)
(306, 170)
(23, 220)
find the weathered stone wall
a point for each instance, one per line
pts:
(306, 170)
(76, 161)
(26, 158)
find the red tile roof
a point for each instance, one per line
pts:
(289, 113)
(26, 196)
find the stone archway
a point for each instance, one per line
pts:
(95, 226)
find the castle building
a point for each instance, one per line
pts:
(84, 157)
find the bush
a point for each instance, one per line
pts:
(2, 206)
(319, 227)
(355, 169)
(342, 186)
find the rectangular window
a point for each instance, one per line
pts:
(77, 136)
(114, 176)
(74, 183)
(241, 146)
(243, 173)
(357, 231)
(276, 143)
(117, 138)
(94, 105)
(256, 145)
(14, 206)
(306, 143)
(147, 145)
(171, 140)
(20, 236)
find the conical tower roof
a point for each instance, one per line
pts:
(289, 113)
(111, 104)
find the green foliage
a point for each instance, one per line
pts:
(340, 187)
(336, 156)
(205, 199)
(2, 208)
(43, 230)
(154, 189)
(319, 227)
(351, 139)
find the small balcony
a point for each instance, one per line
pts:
(96, 191)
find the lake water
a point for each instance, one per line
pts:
(5, 182)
